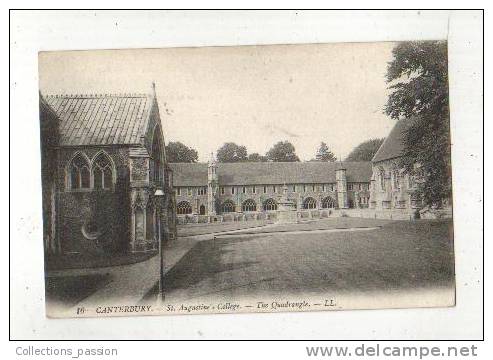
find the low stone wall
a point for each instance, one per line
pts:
(230, 217)
(304, 215)
(390, 214)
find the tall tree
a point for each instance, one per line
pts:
(256, 157)
(282, 151)
(324, 154)
(418, 78)
(179, 152)
(365, 151)
(231, 152)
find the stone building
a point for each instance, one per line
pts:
(236, 191)
(392, 191)
(107, 187)
(390, 187)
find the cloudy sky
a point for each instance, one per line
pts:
(251, 95)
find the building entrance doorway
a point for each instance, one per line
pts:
(202, 210)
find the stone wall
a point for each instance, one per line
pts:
(91, 221)
(397, 190)
(306, 215)
(299, 196)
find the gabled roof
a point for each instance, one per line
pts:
(393, 146)
(266, 173)
(101, 119)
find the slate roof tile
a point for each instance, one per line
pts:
(393, 145)
(101, 119)
(267, 173)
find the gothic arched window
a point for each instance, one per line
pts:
(80, 175)
(382, 178)
(102, 172)
(270, 204)
(249, 205)
(309, 203)
(183, 208)
(396, 179)
(149, 223)
(228, 206)
(157, 162)
(139, 223)
(328, 203)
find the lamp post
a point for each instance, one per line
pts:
(159, 194)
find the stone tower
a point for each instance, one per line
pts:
(212, 185)
(342, 199)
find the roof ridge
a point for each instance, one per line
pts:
(274, 162)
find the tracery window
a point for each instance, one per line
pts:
(249, 205)
(309, 203)
(80, 175)
(270, 205)
(228, 206)
(102, 172)
(328, 203)
(183, 208)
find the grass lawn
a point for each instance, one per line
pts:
(400, 255)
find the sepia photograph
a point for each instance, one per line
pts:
(229, 179)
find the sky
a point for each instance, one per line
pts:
(251, 95)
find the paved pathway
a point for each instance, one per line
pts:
(128, 284)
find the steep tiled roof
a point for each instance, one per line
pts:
(393, 146)
(101, 119)
(265, 173)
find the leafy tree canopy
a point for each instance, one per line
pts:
(365, 151)
(256, 157)
(178, 152)
(282, 151)
(418, 79)
(324, 154)
(231, 152)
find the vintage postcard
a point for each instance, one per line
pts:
(271, 178)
